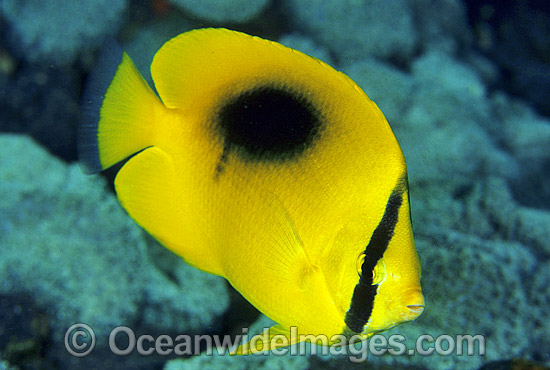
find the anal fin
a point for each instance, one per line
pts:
(151, 192)
(145, 186)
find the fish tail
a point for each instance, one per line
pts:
(119, 108)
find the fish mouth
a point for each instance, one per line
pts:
(416, 307)
(412, 312)
(414, 304)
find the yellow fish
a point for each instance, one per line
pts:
(266, 166)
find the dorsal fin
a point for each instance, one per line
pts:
(207, 62)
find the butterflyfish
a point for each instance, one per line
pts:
(265, 166)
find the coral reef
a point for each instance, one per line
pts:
(56, 31)
(235, 11)
(352, 23)
(441, 71)
(67, 243)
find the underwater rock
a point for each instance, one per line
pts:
(525, 133)
(75, 26)
(509, 220)
(540, 299)
(260, 361)
(515, 35)
(256, 362)
(149, 37)
(25, 332)
(485, 208)
(442, 25)
(533, 229)
(5, 365)
(306, 46)
(356, 30)
(388, 87)
(450, 90)
(443, 133)
(67, 243)
(42, 100)
(192, 302)
(514, 364)
(232, 11)
(519, 129)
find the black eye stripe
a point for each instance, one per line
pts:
(362, 301)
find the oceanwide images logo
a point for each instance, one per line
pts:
(80, 341)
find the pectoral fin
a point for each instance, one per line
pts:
(282, 246)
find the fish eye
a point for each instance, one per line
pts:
(379, 273)
(360, 261)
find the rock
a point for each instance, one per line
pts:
(358, 29)
(388, 87)
(57, 31)
(67, 243)
(232, 11)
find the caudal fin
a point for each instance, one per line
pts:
(118, 107)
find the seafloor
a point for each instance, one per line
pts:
(465, 86)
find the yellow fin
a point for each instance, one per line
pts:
(202, 60)
(271, 338)
(212, 63)
(147, 188)
(119, 109)
(127, 114)
(282, 246)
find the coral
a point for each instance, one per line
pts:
(253, 362)
(442, 25)
(43, 102)
(67, 242)
(307, 46)
(260, 361)
(520, 128)
(358, 29)
(388, 87)
(56, 31)
(477, 159)
(539, 294)
(442, 133)
(234, 11)
(148, 39)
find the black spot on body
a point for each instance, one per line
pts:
(268, 124)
